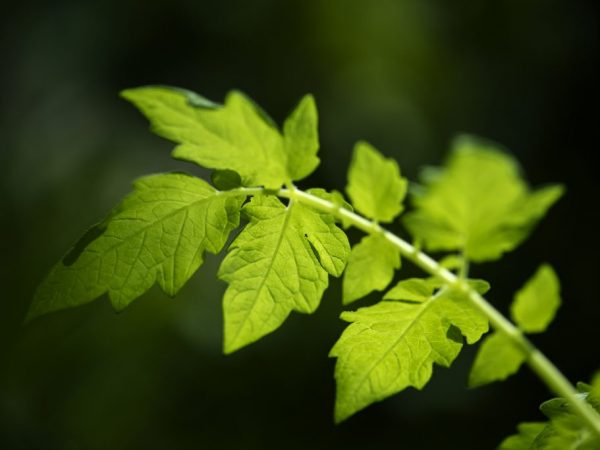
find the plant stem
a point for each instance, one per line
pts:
(536, 360)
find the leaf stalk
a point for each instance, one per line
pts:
(537, 361)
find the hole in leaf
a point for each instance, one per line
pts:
(314, 250)
(454, 334)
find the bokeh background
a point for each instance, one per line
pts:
(405, 75)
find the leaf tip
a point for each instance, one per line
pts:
(341, 414)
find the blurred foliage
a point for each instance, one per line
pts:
(404, 75)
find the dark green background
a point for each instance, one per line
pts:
(405, 75)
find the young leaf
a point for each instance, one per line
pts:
(301, 139)
(393, 345)
(375, 186)
(523, 440)
(277, 264)
(157, 234)
(237, 136)
(533, 309)
(413, 289)
(536, 303)
(371, 266)
(564, 430)
(478, 204)
(497, 359)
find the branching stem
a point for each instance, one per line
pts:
(536, 360)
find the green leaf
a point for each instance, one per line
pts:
(337, 199)
(533, 309)
(277, 264)
(301, 139)
(225, 179)
(478, 203)
(157, 234)
(472, 323)
(456, 307)
(535, 304)
(527, 432)
(567, 432)
(371, 267)
(393, 345)
(558, 406)
(236, 136)
(413, 289)
(496, 360)
(452, 262)
(564, 430)
(375, 186)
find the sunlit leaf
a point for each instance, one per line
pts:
(371, 267)
(157, 234)
(237, 136)
(280, 262)
(478, 203)
(375, 186)
(536, 303)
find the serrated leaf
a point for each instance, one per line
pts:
(535, 304)
(393, 345)
(157, 234)
(472, 323)
(527, 433)
(277, 264)
(478, 203)
(497, 359)
(371, 267)
(237, 136)
(375, 186)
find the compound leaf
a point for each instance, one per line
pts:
(371, 266)
(393, 345)
(478, 203)
(497, 359)
(564, 429)
(237, 136)
(277, 264)
(157, 234)
(535, 304)
(375, 186)
(533, 309)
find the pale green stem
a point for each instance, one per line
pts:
(543, 367)
(463, 272)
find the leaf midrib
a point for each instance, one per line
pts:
(288, 214)
(100, 254)
(412, 323)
